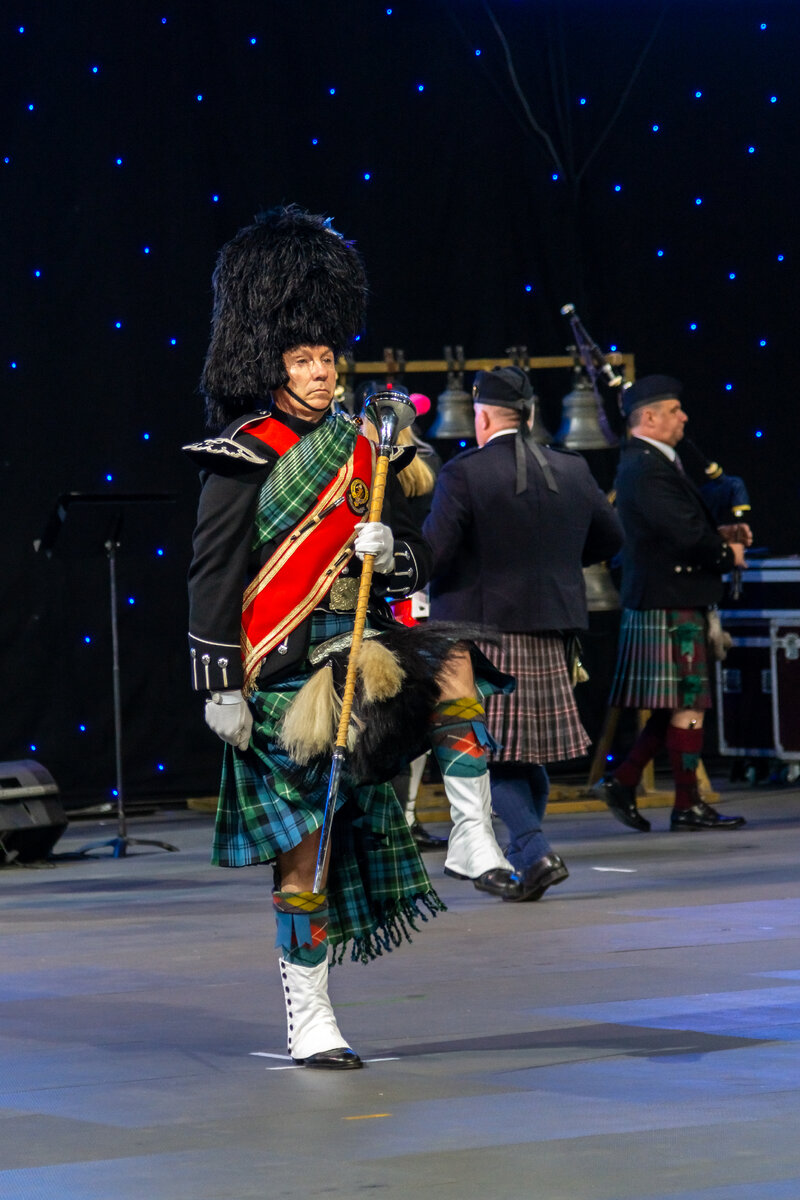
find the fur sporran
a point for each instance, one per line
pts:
(396, 692)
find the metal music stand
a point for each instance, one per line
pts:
(101, 527)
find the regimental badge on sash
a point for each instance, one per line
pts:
(358, 497)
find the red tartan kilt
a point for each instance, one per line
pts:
(539, 723)
(662, 660)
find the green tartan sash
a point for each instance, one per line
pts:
(300, 475)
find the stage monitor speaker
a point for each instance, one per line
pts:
(31, 817)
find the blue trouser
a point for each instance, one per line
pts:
(519, 797)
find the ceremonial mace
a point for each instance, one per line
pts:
(390, 411)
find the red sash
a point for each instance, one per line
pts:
(302, 570)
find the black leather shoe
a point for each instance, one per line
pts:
(702, 816)
(497, 882)
(621, 801)
(340, 1059)
(547, 871)
(425, 840)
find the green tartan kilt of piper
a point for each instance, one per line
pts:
(378, 888)
(662, 660)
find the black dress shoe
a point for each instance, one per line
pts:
(340, 1059)
(497, 882)
(547, 871)
(702, 816)
(425, 840)
(621, 801)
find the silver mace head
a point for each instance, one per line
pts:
(390, 410)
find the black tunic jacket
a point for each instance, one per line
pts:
(673, 556)
(514, 562)
(223, 563)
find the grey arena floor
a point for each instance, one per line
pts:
(632, 1035)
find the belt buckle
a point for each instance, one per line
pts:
(343, 596)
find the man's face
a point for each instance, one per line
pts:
(665, 421)
(312, 377)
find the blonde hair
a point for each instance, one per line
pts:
(417, 479)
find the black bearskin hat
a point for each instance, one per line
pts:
(288, 280)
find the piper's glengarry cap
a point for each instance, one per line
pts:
(507, 387)
(649, 390)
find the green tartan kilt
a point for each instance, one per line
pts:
(377, 885)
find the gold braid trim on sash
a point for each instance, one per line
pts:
(282, 572)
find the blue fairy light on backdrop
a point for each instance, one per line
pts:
(661, 127)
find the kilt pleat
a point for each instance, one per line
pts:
(540, 722)
(661, 660)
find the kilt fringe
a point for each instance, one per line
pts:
(393, 922)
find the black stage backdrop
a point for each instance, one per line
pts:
(493, 161)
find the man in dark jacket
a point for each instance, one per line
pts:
(673, 561)
(511, 526)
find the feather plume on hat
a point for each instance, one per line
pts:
(287, 280)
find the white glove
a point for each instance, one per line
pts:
(229, 715)
(375, 538)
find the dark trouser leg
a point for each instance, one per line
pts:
(519, 797)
